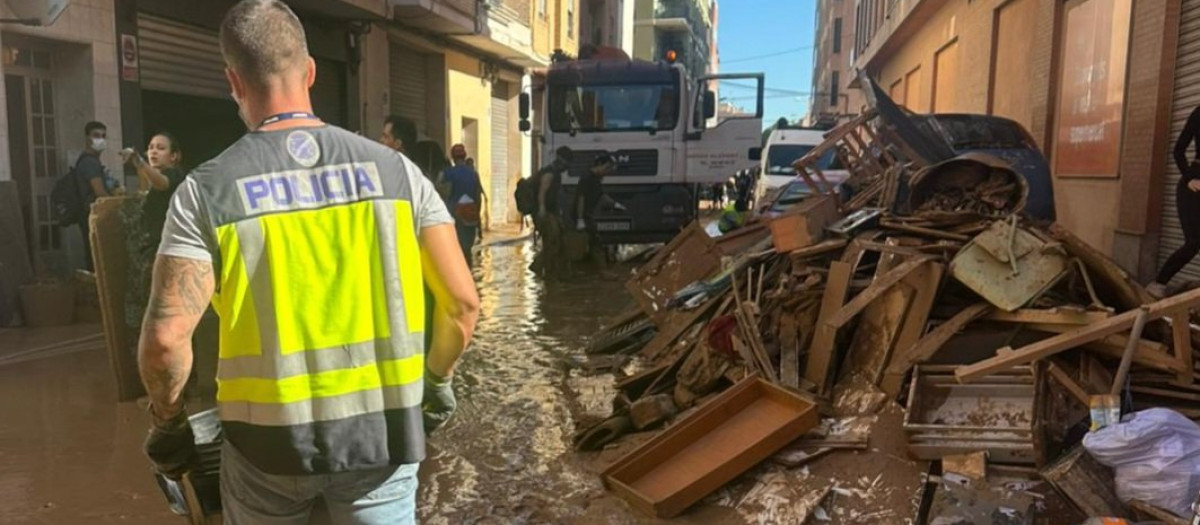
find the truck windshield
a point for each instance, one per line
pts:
(780, 158)
(595, 108)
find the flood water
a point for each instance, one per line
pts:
(69, 453)
(505, 457)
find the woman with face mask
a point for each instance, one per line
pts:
(159, 174)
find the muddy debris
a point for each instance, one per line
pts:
(923, 333)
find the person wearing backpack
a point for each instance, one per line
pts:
(545, 187)
(92, 179)
(464, 197)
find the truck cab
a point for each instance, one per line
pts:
(665, 131)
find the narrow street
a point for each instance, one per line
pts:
(70, 454)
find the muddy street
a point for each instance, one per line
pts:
(70, 454)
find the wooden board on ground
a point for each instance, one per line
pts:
(925, 281)
(927, 346)
(876, 333)
(727, 436)
(110, 256)
(820, 352)
(15, 267)
(689, 257)
(877, 288)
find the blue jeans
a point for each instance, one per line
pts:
(251, 497)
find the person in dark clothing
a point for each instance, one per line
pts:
(464, 197)
(550, 261)
(159, 175)
(398, 133)
(590, 199)
(94, 180)
(1187, 204)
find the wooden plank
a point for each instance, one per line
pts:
(873, 292)
(1182, 342)
(111, 259)
(930, 232)
(820, 352)
(827, 246)
(875, 335)
(789, 351)
(1157, 513)
(1074, 388)
(1139, 324)
(1064, 316)
(1008, 358)
(924, 349)
(926, 282)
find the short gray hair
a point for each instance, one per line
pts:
(262, 38)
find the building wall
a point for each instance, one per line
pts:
(543, 41)
(1118, 214)
(470, 97)
(84, 38)
(824, 108)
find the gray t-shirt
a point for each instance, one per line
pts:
(188, 231)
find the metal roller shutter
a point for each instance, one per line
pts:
(407, 72)
(329, 91)
(499, 191)
(179, 58)
(1187, 98)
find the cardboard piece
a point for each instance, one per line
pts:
(730, 434)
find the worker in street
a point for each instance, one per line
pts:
(318, 243)
(551, 261)
(590, 200)
(464, 197)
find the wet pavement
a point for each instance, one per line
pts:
(70, 454)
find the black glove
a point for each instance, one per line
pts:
(171, 445)
(438, 404)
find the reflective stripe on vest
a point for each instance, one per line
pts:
(322, 318)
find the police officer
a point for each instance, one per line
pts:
(319, 243)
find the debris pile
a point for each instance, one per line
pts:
(950, 343)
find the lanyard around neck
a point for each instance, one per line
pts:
(292, 115)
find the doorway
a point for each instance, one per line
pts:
(33, 144)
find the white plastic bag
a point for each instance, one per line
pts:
(1156, 456)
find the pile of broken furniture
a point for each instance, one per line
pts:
(925, 308)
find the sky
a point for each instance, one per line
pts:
(774, 37)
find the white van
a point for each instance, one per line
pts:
(784, 148)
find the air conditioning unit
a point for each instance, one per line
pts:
(45, 12)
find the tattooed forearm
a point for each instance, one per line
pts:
(180, 293)
(182, 287)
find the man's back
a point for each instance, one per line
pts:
(463, 180)
(314, 235)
